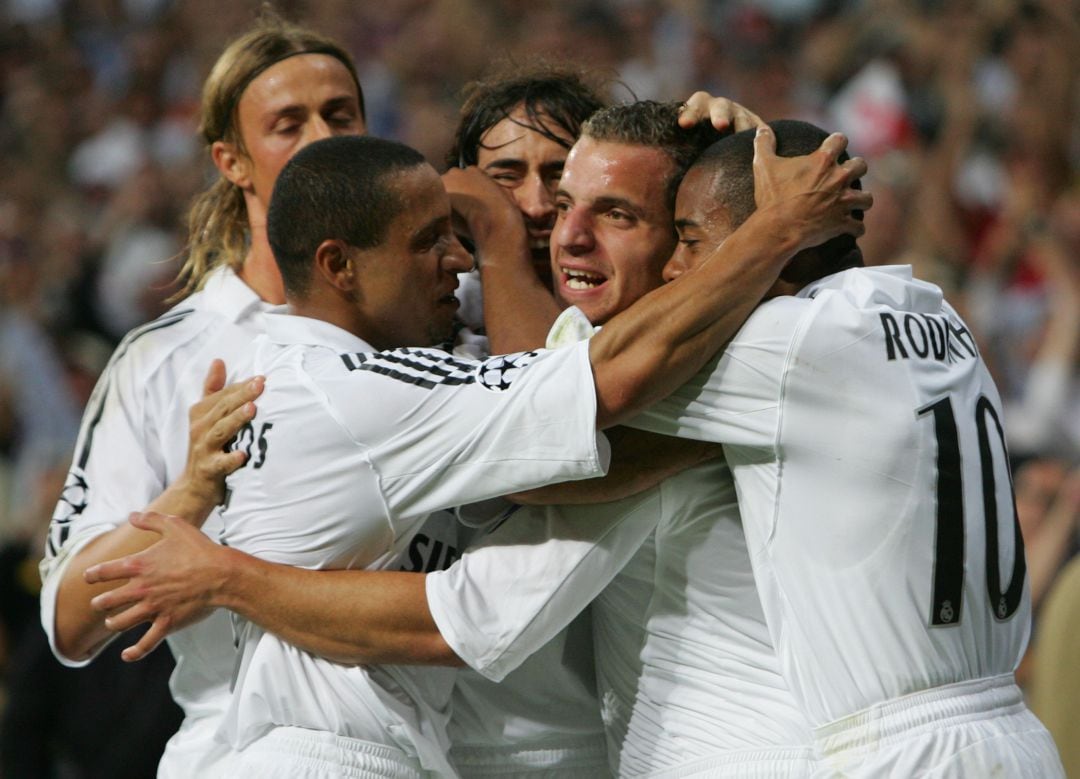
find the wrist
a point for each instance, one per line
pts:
(187, 499)
(238, 578)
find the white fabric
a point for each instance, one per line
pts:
(132, 444)
(297, 753)
(968, 730)
(543, 718)
(351, 450)
(547, 563)
(826, 411)
(710, 691)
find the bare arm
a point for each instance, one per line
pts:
(518, 308)
(80, 629)
(347, 616)
(660, 341)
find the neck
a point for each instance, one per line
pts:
(260, 271)
(329, 307)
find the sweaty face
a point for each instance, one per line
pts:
(529, 165)
(405, 286)
(614, 231)
(296, 101)
(702, 225)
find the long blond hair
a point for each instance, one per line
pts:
(218, 232)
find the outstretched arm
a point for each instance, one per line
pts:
(659, 342)
(347, 616)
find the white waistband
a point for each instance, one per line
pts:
(933, 708)
(304, 746)
(765, 763)
(584, 752)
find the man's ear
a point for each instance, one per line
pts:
(334, 263)
(233, 164)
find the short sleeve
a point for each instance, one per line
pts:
(523, 583)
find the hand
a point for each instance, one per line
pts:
(481, 207)
(816, 193)
(212, 423)
(170, 584)
(723, 113)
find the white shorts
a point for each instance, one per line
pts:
(586, 759)
(300, 753)
(768, 763)
(195, 753)
(969, 730)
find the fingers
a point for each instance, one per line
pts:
(223, 430)
(722, 113)
(856, 168)
(110, 571)
(223, 403)
(695, 109)
(149, 520)
(215, 377)
(150, 641)
(764, 144)
(833, 146)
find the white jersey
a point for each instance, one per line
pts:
(546, 564)
(132, 444)
(350, 450)
(865, 436)
(710, 700)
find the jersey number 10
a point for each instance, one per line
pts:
(947, 599)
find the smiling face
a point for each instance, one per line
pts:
(404, 287)
(529, 165)
(301, 99)
(614, 231)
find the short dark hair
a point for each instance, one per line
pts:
(734, 190)
(654, 124)
(335, 188)
(554, 99)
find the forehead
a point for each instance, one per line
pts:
(694, 200)
(423, 197)
(515, 137)
(605, 169)
(302, 77)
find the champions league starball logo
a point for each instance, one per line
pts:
(75, 497)
(499, 373)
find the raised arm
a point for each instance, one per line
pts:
(518, 308)
(649, 349)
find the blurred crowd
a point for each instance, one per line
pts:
(967, 111)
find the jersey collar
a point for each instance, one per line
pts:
(225, 294)
(289, 329)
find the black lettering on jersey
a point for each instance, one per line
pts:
(75, 497)
(893, 344)
(253, 444)
(961, 334)
(427, 554)
(927, 336)
(428, 369)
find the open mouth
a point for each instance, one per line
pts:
(581, 280)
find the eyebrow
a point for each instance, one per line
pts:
(682, 224)
(428, 232)
(617, 202)
(333, 104)
(516, 162)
